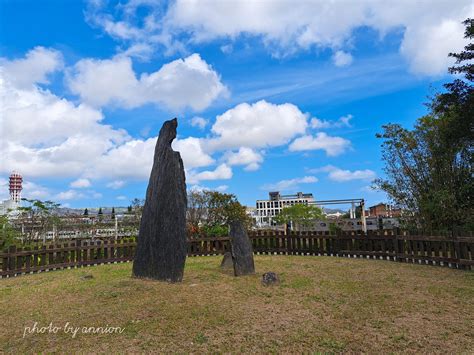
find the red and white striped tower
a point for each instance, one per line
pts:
(16, 181)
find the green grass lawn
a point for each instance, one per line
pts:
(322, 304)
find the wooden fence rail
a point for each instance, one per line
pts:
(456, 252)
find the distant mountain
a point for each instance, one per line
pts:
(92, 210)
(333, 210)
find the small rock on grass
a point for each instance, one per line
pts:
(270, 278)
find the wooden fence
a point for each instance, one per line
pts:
(455, 252)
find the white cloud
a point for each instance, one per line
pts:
(431, 29)
(76, 195)
(261, 124)
(48, 135)
(340, 175)
(222, 172)
(426, 47)
(331, 145)
(199, 122)
(51, 136)
(121, 198)
(34, 68)
(292, 184)
(192, 152)
(131, 160)
(188, 82)
(220, 188)
(116, 184)
(342, 59)
(343, 121)
(64, 139)
(4, 189)
(80, 183)
(244, 156)
(227, 48)
(32, 190)
(69, 195)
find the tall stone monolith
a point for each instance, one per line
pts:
(241, 248)
(161, 244)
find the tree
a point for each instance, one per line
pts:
(41, 215)
(86, 212)
(211, 212)
(429, 169)
(299, 215)
(100, 214)
(224, 208)
(113, 213)
(196, 214)
(8, 234)
(137, 208)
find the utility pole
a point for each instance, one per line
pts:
(362, 216)
(116, 228)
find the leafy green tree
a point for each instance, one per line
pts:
(8, 234)
(429, 169)
(41, 215)
(299, 215)
(86, 212)
(210, 212)
(137, 208)
(113, 213)
(224, 208)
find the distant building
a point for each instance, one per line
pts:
(384, 210)
(266, 210)
(15, 187)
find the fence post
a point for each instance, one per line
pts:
(11, 259)
(336, 244)
(5, 261)
(78, 253)
(457, 252)
(396, 245)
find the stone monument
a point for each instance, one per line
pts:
(227, 262)
(161, 244)
(242, 251)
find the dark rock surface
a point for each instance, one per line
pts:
(242, 251)
(161, 244)
(270, 278)
(227, 262)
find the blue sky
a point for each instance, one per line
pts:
(269, 95)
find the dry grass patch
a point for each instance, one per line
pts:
(322, 304)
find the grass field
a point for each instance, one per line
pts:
(323, 304)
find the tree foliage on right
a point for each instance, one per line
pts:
(429, 169)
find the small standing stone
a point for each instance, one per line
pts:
(242, 251)
(270, 278)
(227, 262)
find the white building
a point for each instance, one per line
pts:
(7, 206)
(267, 209)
